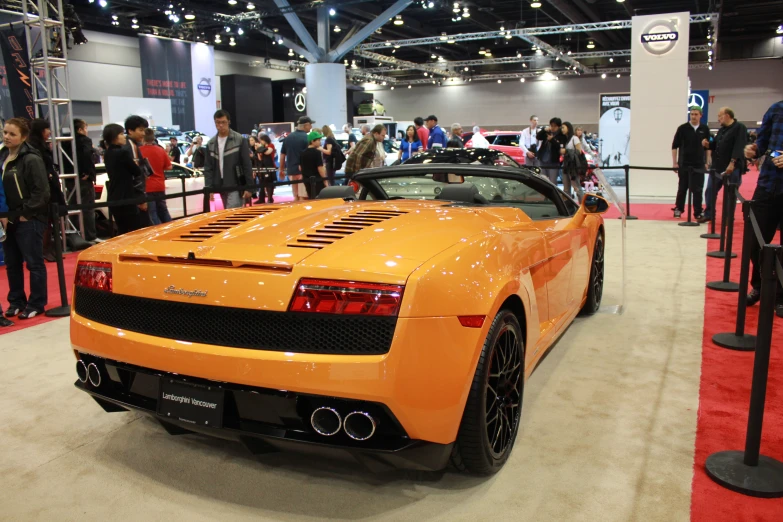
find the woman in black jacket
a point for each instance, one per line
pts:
(26, 186)
(39, 139)
(126, 180)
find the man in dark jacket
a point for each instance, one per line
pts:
(364, 155)
(548, 154)
(728, 155)
(691, 163)
(26, 185)
(86, 167)
(456, 137)
(228, 162)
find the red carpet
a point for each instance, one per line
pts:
(648, 212)
(725, 395)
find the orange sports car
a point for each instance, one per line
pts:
(397, 330)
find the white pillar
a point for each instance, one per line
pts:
(326, 94)
(659, 98)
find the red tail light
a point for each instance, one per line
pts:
(95, 275)
(346, 297)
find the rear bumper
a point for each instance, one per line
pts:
(268, 420)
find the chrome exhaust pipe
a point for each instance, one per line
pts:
(326, 421)
(359, 425)
(94, 374)
(81, 371)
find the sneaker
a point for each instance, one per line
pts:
(29, 313)
(677, 213)
(5, 322)
(753, 297)
(12, 311)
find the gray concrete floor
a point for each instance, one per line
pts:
(608, 429)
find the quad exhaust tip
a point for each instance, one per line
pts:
(359, 425)
(93, 374)
(81, 371)
(326, 421)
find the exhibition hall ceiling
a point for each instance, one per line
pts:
(257, 28)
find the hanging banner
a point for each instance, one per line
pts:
(204, 88)
(614, 134)
(166, 73)
(17, 94)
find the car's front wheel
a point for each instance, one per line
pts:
(492, 413)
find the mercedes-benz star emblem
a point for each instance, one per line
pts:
(300, 102)
(696, 99)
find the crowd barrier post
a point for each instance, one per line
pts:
(727, 221)
(628, 215)
(714, 203)
(726, 285)
(749, 472)
(690, 222)
(184, 198)
(738, 339)
(64, 310)
(207, 195)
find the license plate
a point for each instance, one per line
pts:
(197, 404)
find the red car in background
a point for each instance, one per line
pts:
(504, 141)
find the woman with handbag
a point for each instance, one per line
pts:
(571, 152)
(266, 153)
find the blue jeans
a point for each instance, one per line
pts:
(158, 210)
(24, 244)
(714, 185)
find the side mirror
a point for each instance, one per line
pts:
(595, 204)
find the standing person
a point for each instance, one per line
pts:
(126, 180)
(728, 156)
(688, 143)
(579, 132)
(135, 126)
(364, 129)
(174, 152)
(456, 137)
(4, 224)
(437, 136)
(26, 187)
(422, 131)
(266, 153)
(364, 155)
(478, 139)
(529, 142)
(352, 141)
(155, 185)
(410, 145)
(767, 202)
(331, 151)
(311, 165)
(551, 140)
(38, 139)
(197, 153)
(228, 162)
(571, 162)
(255, 163)
(290, 153)
(86, 167)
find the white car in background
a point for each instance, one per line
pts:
(194, 180)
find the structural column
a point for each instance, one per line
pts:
(326, 94)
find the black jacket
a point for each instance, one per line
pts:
(52, 171)
(455, 143)
(124, 175)
(84, 158)
(26, 183)
(689, 141)
(729, 144)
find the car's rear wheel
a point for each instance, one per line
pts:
(491, 418)
(595, 288)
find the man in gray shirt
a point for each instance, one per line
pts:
(290, 154)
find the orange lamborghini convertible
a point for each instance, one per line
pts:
(398, 330)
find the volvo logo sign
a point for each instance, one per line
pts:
(300, 103)
(660, 37)
(205, 87)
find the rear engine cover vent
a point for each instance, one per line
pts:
(222, 223)
(343, 227)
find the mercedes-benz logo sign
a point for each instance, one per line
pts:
(205, 87)
(696, 99)
(660, 37)
(300, 102)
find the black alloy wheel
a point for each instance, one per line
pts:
(492, 413)
(595, 289)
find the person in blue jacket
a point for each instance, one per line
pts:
(410, 145)
(437, 136)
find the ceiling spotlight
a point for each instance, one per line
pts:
(115, 22)
(280, 41)
(482, 51)
(709, 53)
(392, 87)
(103, 3)
(443, 37)
(332, 12)
(591, 44)
(524, 65)
(114, 17)
(217, 39)
(240, 32)
(190, 16)
(620, 1)
(398, 20)
(250, 6)
(535, 4)
(433, 56)
(290, 51)
(521, 80)
(337, 29)
(466, 13)
(467, 69)
(451, 40)
(409, 86)
(710, 67)
(396, 46)
(135, 26)
(388, 44)
(425, 73)
(500, 81)
(228, 29)
(618, 75)
(780, 29)
(231, 42)
(611, 60)
(433, 82)
(232, 2)
(603, 76)
(430, 5)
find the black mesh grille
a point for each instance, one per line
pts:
(239, 327)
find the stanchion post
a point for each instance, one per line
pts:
(184, 198)
(206, 207)
(749, 472)
(726, 285)
(727, 207)
(690, 222)
(628, 215)
(714, 203)
(63, 310)
(739, 340)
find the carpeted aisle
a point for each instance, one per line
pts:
(725, 395)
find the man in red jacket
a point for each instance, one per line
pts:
(156, 183)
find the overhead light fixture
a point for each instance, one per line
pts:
(103, 3)
(611, 60)
(467, 69)
(392, 87)
(190, 16)
(396, 46)
(114, 17)
(443, 37)
(231, 42)
(240, 32)
(710, 67)
(425, 73)
(398, 20)
(232, 2)
(603, 76)
(466, 13)
(332, 12)
(409, 86)
(388, 44)
(591, 44)
(337, 29)
(135, 21)
(620, 1)
(451, 40)
(228, 29)
(618, 75)
(217, 39)
(250, 6)
(521, 80)
(135, 26)
(280, 41)
(779, 30)
(500, 81)
(535, 4)
(290, 51)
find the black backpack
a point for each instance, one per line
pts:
(338, 158)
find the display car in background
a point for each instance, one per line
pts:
(397, 330)
(503, 141)
(370, 107)
(193, 181)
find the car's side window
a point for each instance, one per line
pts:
(571, 206)
(507, 140)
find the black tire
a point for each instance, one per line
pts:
(595, 288)
(483, 446)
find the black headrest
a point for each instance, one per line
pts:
(463, 192)
(337, 192)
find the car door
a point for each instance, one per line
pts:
(509, 144)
